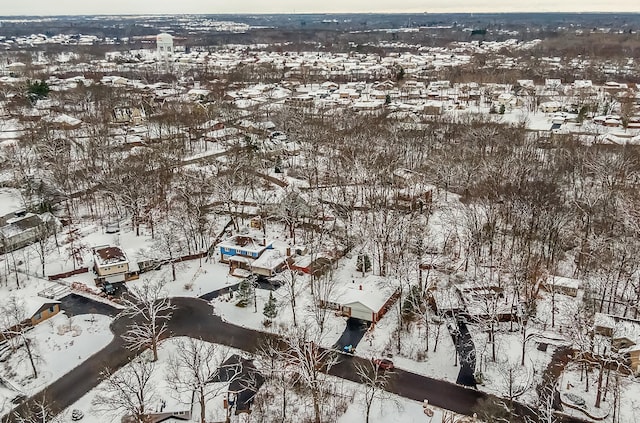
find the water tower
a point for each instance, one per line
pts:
(164, 43)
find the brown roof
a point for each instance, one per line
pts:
(110, 255)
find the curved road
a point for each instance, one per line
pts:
(194, 317)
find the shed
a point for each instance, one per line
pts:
(562, 285)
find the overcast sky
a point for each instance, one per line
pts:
(80, 7)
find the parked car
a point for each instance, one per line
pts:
(76, 415)
(383, 363)
(109, 289)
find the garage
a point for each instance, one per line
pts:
(361, 311)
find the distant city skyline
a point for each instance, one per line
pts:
(84, 7)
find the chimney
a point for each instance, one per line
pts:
(360, 287)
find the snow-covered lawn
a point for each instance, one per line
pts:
(247, 317)
(390, 408)
(627, 387)
(60, 344)
(193, 278)
(381, 342)
(506, 374)
(159, 390)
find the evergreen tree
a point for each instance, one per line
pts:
(245, 293)
(270, 310)
(412, 302)
(37, 90)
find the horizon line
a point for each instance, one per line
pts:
(592, 12)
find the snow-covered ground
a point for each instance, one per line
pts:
(59, 345)
(390, 408)
(247, 317)
(621, 391)
(159, 390)
(386, 407)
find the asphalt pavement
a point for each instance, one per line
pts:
(353, 333)
(74, 305)
(194, 317)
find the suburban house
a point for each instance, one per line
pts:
(369, 300)
(111, 265)
(624, 334)
(312, 266)
(415, 197)
(133, 115)
(562, 285)
(158, 417)
(244, 382)
(269, 263)
(490, 302)
(241, 251)
(34, 310)
(19, 229)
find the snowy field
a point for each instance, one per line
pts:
(573, 381)
(385, 408)
(59, 345)
(159, 391)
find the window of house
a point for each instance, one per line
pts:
(38, 316)
(52, 309)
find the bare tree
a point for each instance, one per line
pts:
(43, 245)
(513, 380)
(324, 288)
(13, 317)
(170, 243)
(301, 348)
(276, 371)
(374, 381)
(291, 281)
(37, 410)
(128, 390)
(192, 366)
(149, 309)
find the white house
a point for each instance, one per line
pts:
(367, 300)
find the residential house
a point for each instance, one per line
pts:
(486, 303)
(310, 265)
(111, 265)
(34, 310)
(550, 107)
(369, 300)
(562, 285)
(269, 263)
(624, 335)
(19, 229)
(132, 115)
(63, 121)
(241, 251)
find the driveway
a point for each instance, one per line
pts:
(244, 381)
(74, 305)
(262, 282)
(466, 353)
(353, 333)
